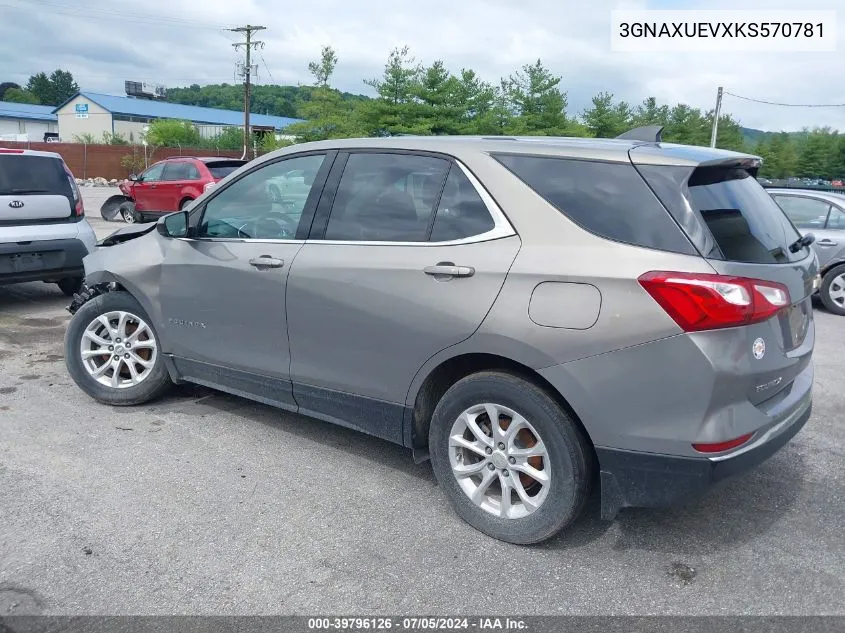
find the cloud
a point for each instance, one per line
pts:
(177, 44)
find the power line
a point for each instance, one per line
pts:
(788, 105)
(266, 67)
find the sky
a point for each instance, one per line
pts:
(178, 43)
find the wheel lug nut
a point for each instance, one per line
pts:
(117, 340)
(111, 348)
(505, 473)
(501, 446)
(126, 356)
(491, 467)
(116, 357)
(512, 460)
(488, 450)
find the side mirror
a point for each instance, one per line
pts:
(134, 177)
(173, 225)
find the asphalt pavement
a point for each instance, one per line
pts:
(204, 503)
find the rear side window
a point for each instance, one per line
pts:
(461, 212)
(221, 169)
(386, 198)
(181, 171)
(22, 174)
(608, 199)
(746, 224)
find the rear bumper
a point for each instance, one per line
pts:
(41, 260)
(637, 479)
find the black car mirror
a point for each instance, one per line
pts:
(174, 224)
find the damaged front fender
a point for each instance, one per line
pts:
(129, 232)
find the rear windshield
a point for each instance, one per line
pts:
(37, 175)
(221, 169)
(746, 224)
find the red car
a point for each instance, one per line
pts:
(167, 186)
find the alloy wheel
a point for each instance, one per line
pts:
(836, 290)
(499, 461)
(118, 349)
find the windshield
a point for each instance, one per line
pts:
(747, 225)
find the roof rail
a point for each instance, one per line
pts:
(647, 133)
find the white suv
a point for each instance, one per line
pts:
(43, 231)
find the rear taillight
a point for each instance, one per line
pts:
(78, 206)
(700, 301)
(718, 447)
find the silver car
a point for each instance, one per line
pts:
(43, 231)
(823, 215)
(535, 315)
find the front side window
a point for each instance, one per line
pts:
(805, 213)
(250, 209)
(386, 198)
(154, 173)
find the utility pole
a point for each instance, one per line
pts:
(716, 117)
(248, 45)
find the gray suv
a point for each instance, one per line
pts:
(535, 315)
(43, 231)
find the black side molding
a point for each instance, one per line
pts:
(647, 133)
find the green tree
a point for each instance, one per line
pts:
(327, 114)
(87, 138)
(5, 86)
(649, 113)
(324, 68)
(606, 119)
(16, 95)
(395, 109)
(537, 100)
(63, 86)
(39, 85)
(114, 139)
(229, 138)
(173, 133)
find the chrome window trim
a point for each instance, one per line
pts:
(501, 225)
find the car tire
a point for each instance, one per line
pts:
(568, 461)
(185, 203)
(70, 285)
(128, 213)
(832, 291)
(123, 312)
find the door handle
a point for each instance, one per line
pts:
(448, 269)
(265, 261)
(826, 243)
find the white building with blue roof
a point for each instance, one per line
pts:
(26, 122)
(95, 114)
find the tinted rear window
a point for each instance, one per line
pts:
(22, 174)
(746, 224)
(221, 169)
(608, 199)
